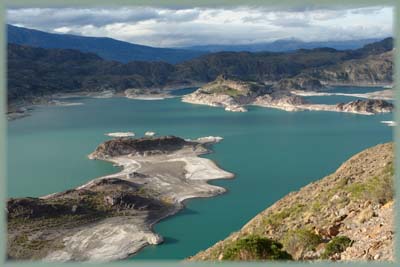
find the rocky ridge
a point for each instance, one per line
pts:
(348, 215)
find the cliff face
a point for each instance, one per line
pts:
(374, 69)
(347, 215)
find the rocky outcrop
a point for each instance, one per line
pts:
(234, 95)
(372, 106)
(140, 146)
(230, 93)
(299, 82)
(347, 215)
(280, 100)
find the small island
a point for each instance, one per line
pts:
(111, 217)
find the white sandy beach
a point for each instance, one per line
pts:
(176, 177)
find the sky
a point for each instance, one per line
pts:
(179, 27)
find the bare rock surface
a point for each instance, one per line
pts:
(347, 216)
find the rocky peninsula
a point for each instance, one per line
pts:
(234, 95)
(346, 216)
(111, 217)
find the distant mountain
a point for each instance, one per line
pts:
(34, 72)
(285, 45)
(106, 48)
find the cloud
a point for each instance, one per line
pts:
(196, 26)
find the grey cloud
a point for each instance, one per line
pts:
(58, 17)
(185, 26)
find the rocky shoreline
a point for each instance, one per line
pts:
(234, 95)
(239, 94)
(379, 95)
(24, 108)
(111, 217)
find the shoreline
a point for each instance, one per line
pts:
(386, 94)
(239, 95)
(170, 178)
(24, 109)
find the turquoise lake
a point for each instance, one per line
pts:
(271, 152)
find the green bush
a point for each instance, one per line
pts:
(296, 242)
(255, 248)
(336, 245)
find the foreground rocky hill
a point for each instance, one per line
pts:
(348, 215)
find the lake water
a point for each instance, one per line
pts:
(334, 99)
(272, 152)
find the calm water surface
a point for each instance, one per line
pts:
(272, 152)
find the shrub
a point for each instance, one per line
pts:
(296, 242)
(336, 245)
(255, 248)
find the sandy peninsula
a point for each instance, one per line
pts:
(111, 217)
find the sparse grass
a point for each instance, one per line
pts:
(378, 189)
(223, 90)
(296, 242)
(316, 206)
(276, 219)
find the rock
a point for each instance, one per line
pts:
(365, 215)
(366, 106)
(236, 108)
(74, 208)
(141, 146)
(150, 134)
(353, 218)
(333, 230)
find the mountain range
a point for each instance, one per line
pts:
(283, 45)
(106, 48)
(121, 51)
(34, 72)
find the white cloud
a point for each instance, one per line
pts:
(196, 26)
